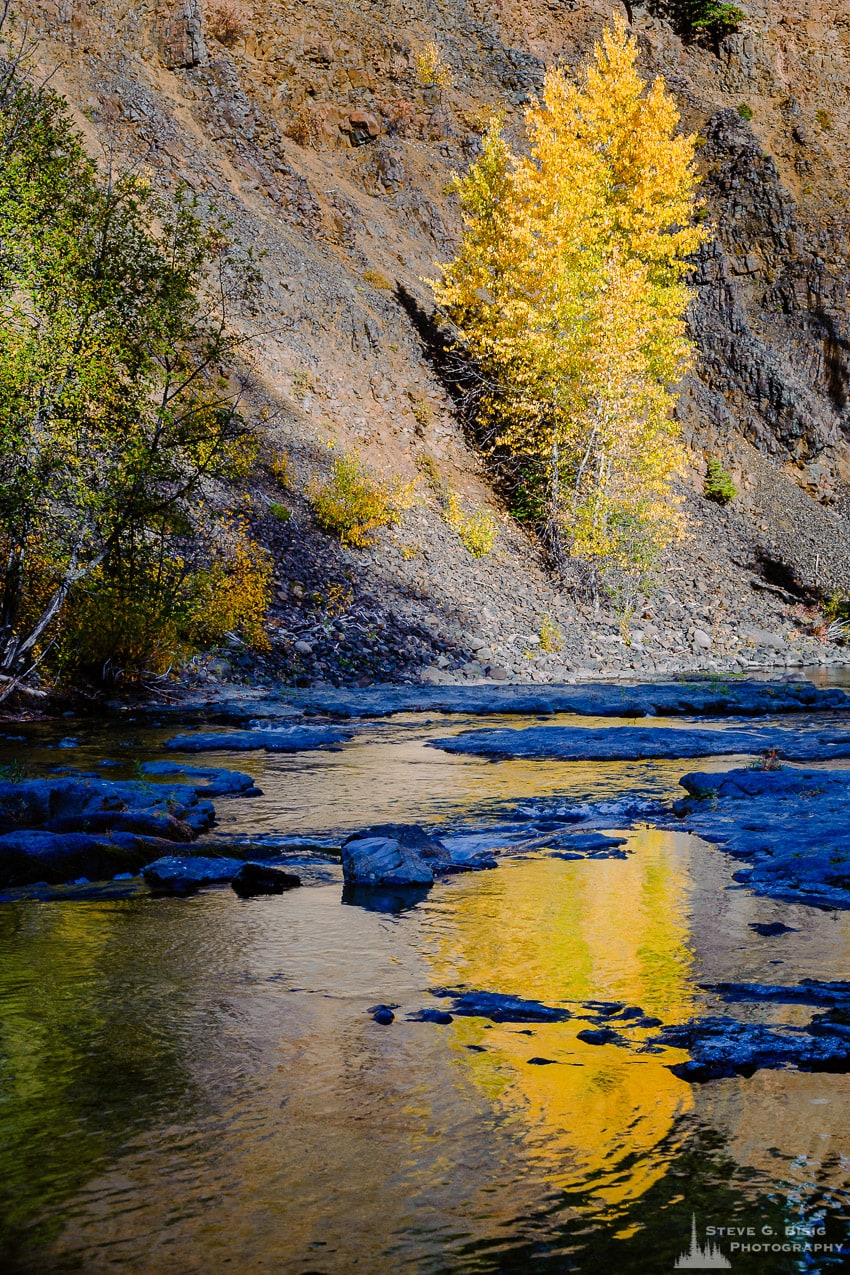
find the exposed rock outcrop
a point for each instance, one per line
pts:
(183, 43)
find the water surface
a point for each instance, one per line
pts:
(196, 1085)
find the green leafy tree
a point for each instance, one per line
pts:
(118, 402)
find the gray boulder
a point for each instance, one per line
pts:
(384, 860)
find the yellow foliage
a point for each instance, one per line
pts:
(551, 636)
(569, 290)
(431, 70)
(377, 279)
(477, 531)
(146, 615)
(354, 503)
(233, 595)
(280, 467)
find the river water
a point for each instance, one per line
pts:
(196, 1085)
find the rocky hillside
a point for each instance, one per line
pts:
(309, 125)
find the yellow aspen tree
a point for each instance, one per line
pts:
(569, 292)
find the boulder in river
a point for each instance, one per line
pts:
(403, 855)
(261, 878)
(185, 874)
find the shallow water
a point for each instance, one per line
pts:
(196, 1085)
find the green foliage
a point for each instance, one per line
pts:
(824, 119)
(745, 111)
(353, 503)
(281, 512)
(699, 18)
(119, 405)
(477, 531)
(718, 485)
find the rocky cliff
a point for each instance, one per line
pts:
(308, 124)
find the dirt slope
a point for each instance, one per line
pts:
(311, 130)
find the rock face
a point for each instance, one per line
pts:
(767, 300)
(313, 133)
(183, 43)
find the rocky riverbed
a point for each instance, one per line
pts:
(88, 834)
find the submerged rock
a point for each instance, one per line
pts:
(809, 991)
(283, 739)
(721, 1047)
(261, 878)
(634, 743)
(500, 1008)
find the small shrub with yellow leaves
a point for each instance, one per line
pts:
(145, 611)
(280, 468)
(305, 127)
(423, 413)
(233, 595)
(432, 71)
(376, 279)
(477, 531)
(427, 466)
(354, 503)
(551, 636)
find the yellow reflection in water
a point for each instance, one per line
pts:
(603, 930)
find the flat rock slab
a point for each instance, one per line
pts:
(636, 743)
(500, 1008)
(287, 739)
(178, 874)
(809, 991)
(722, 1047)
(709, 697)
(207, 781)
(792, 827)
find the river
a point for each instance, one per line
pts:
(197, 1085)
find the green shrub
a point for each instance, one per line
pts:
(824, 119)
(718, 485)
(353, 503)
(280, 511)
(745, 111)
